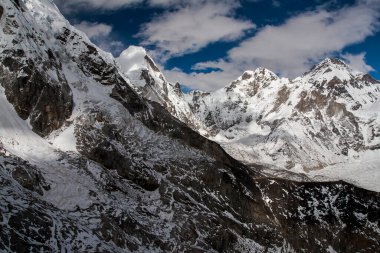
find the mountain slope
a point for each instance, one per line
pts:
(88, 164)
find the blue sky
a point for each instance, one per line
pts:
(205, 44)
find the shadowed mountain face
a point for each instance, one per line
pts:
(89, 164)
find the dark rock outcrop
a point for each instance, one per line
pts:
(1, 11)
(46, 102)
(35, 94)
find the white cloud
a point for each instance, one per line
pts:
(192, 27)
(67, 6)
(292, 48)
(113, 46)
(166, 3)
(94, 30)
(181, 3)
(357, 62)
(100, 34)
(204, 81)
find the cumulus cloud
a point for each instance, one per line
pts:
(166, 3)
(115, 47)
(181, 3)
(293, 47)
(192, 27)
(94, 30)
(68, 6)
(204, 81)
(100, 34)
(357, 62)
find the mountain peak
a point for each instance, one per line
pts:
(334, 61)
(330, 64)
(330, 68)
(250, 81)
(260, 74)
(266, 73)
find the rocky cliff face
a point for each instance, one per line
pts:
(104, 169)
(45, 100)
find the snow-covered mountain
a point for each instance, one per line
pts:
(91, 160)
(325, 124)
(329, 116)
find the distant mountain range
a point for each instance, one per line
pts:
(324, 124)
(104, 155)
